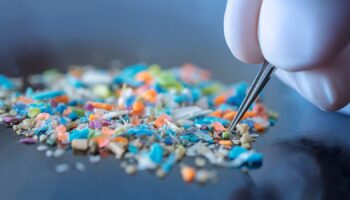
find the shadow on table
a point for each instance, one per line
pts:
(299, 169)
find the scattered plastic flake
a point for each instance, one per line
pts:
(80, 166)
(42, 147)
(149, 118)
(61, 168)
(94, 159)
(58, 153)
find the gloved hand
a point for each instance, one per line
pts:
(308, 41)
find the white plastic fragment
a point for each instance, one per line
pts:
(48, 153)
(58, 153)
(80, 166)
(61, 168)
(94, 159)
(42, 147)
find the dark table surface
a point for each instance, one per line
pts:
(306, 156)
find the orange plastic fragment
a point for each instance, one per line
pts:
(145, 77)
(67, 111)
(216, 113)
(107, 131)
(42, 116)
(102, 141)
(138, 107)
(150, 96)
(220, 99)
(161, 120)
(104, 106)
(75, 72)
(218, 126)
(122, 140)
(135, 120)
(62, 134)
(249, 114)
(230, 115)
(258, 127)
(61, 99)
(227, 143)
(188, 173)
(24, 100)
(92, 117)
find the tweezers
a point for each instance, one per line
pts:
(255, 88)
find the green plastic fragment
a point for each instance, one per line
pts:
(211, 89)
(226, 135)
(168, 81)
(33, 112)
(78, 111)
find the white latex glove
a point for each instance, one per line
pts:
(309, 41)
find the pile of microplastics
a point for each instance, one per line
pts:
(148, 117)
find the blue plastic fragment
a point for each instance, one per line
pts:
(60, 108)
(47, 95)
(158, 88)
(196, 94)
(29, 92)
(128, 81)
(133, 149)
(6, 83)
(189, 137)
(43, 129)
(130, 101)
(254, 160)
(79, 134)
(248, 122)
(63, 121)
(168, 140)
(73, 116)
(128, 74)
(20, 108)
(241, 89)
(210, 119)
(169, 163)
(139, 131)
(204, 135)
(84, 120)
(156, 153)
(182, 98)
(235, 152)
(75, 82)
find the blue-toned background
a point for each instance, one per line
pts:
(38, 34)
(306, 155)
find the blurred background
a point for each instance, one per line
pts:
(36, 35)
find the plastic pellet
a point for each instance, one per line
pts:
(80, 144)
(200, 162)
(48, 153)
(61, 168)
(202, 176)
(94, 159)
(138, 107)
(58, 153)
(242, 128)
(42, 148)
(148, 117)
(80, 166)
(42, 138)
(131, 169)
(188, 173)
(117, 149)
(160, 173)
(227, 143)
